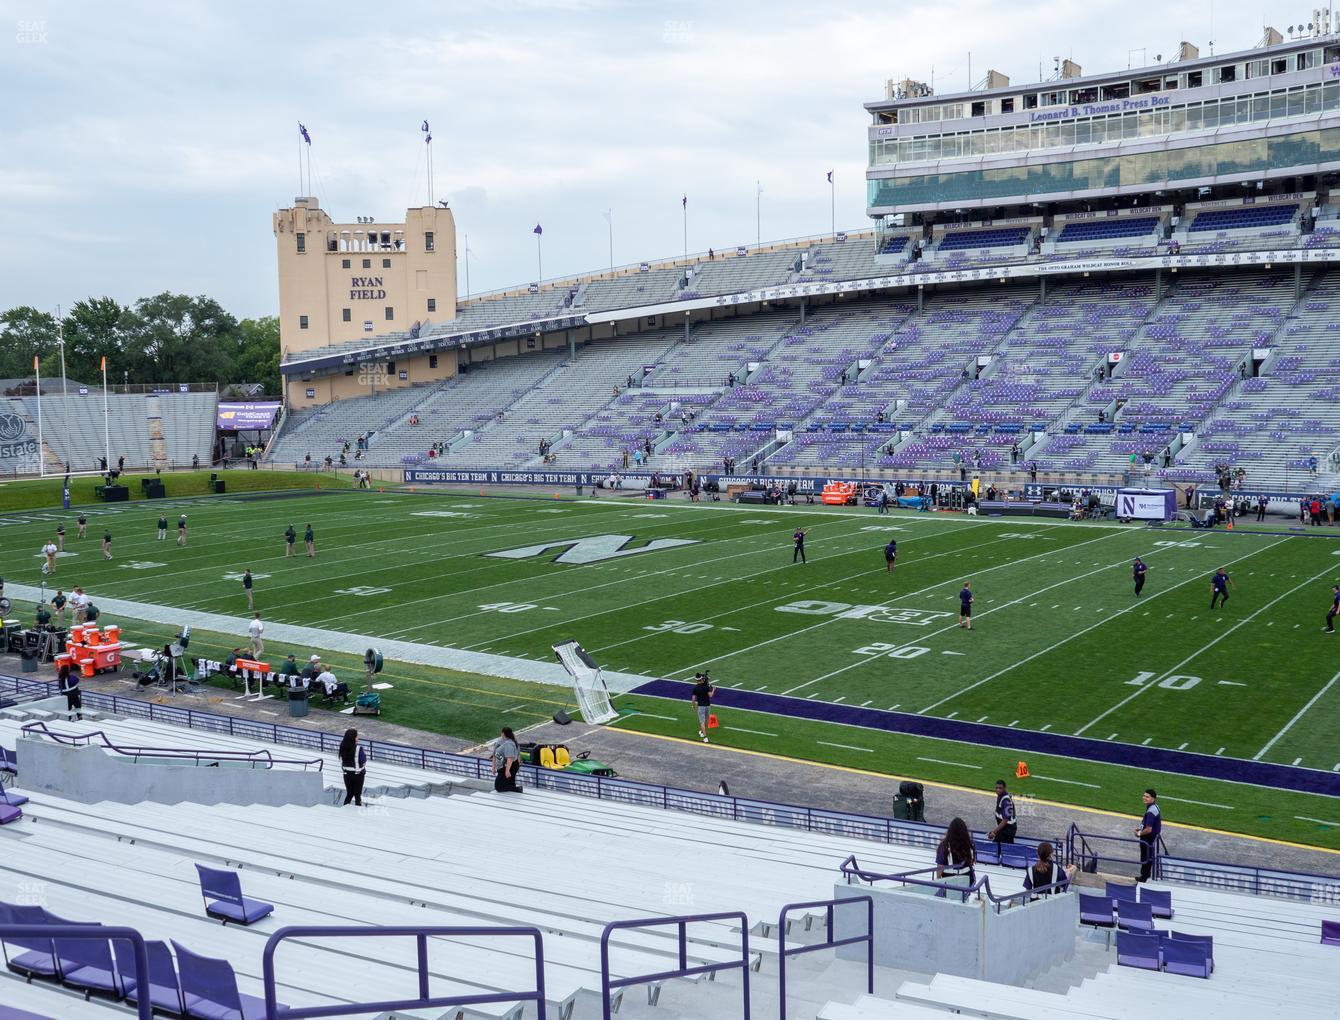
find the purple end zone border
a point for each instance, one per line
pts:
(1257, 773)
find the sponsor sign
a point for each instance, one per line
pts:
(245, 416)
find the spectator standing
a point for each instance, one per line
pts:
(1007, 822)
(309, 537)
(353, 763)
(162, 527)
(256, 631)
(181, 530)
(1151, 825)
(83, 526)
(290, 536)
(246, 587)
(701, 698)
(106, 544)
(60, 536)
(68, 681)
(506, 762)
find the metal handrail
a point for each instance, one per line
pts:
(608, 983)
(260, 756)
(829, 943)
(425, 999)
(95, 933)
(850, 868)
(1081, 852)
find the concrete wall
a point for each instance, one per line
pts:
(918, 931)
(89, 775)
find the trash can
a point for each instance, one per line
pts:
(29, 660)
(910, 801)
(297, 703)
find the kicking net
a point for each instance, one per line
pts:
(593, 696)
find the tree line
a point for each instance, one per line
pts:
(168, 338)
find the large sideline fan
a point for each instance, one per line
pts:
(593, 696)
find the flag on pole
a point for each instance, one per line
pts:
(538, 229)
(303, 131)
(104, 363)
(424, 129)
(684, 201)
(830, 176)
(34, 362)
(427, 134)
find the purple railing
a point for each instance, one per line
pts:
(260, 756)
(829, 942)
(851, 869)
(609, 984)
(1081, 849)
(425, 998)
(99, 933)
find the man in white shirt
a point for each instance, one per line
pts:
(49, 551)
(256, 629)
(332, 687)
(78, 604)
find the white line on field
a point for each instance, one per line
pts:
(1301, 712)
(761, 733)
(1319, 821)
(1201, 803)
(847, 747)
(1145, 742)
(653, 715)
(958, 764)
(1068, 782)
(1182, 746)
(1297, 761)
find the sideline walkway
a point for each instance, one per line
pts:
(507, 666)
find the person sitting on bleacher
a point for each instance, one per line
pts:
(955, 854)
(331, 687)
(1045, 871)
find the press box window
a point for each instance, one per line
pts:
(386, 263)
(348, 315)
(302, 322)
(427, 240)
(344, 263)
(302, 243)
(432, 361)
(432, 304)
(367, 263)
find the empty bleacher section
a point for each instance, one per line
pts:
(630, 291)
(416, 858)
(853, 259)
(497, 311)
(73, 428)
(1238, 227)
(730, 275)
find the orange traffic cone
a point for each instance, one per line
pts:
(558, 496)
(1230, 521)
(1021, 770)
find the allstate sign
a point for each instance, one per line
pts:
(15, 443)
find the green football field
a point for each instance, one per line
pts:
(1059, 644)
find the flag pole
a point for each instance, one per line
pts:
(106, 426)
(832, 206)
(685, 203)
(539, 257)
(64, 382)
(300, 157)
(758, 214)
(37, 374)
(467, 265)
(609, 218)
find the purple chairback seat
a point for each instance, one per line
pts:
(1137, 950)
(1015, 855)
(1095, 910)
(33, 957)
(1159, 900)
(1330, 933)
(12, 797)
(1121, 891)
(987, 851)
(10, 1013)
(209, 989)
(1206, 942)
(86, 965)
(1180, 957)
(164, 988)
(222, 891)
(1133, 916)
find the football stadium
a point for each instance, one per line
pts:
(935, 616)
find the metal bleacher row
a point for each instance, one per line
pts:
(568, 866)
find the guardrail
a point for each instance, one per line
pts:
(425, 999)
(608, 984)
(198, 756)
(851, 869)
(1082, 849)
(829, 942)
(96, 933)
(1298, 885)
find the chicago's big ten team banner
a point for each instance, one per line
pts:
(1147, 504)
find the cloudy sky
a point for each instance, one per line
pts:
(143, 146)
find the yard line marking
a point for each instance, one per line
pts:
(983, 719)
(1301, 712)
(959, 764)
(1145, 742)
(1046, 727)
(515, 707)
(1297, 760)
(1182, 746)
(839, 699)
(864, 703)
(893, 708)
(846, 747)
(652, 715)
(1201, 803)
(1220, 751)
(946, 652)
(1230, 683)
(1068, 782)
(1112, 737)
(761, 733)
(1200, 651)
(1319, 821)
(1337, 767)
(951, 715)
(763, 688)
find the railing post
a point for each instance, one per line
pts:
(421, 942)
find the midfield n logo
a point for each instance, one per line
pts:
(592, 549)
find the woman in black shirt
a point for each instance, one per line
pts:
(353, 763)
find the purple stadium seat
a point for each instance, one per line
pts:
(209, 989)
(12, 797)
(9, 813)
(1122, 891)
(164, 988)
(86, 965)
(1179, 957)
(1015, 855)
(1134, 916)
(987, 851)
(1204, 941)
(1095, 910)
(33, 957)
(1159, 900)
(1330, 933)
(1137, 950)
(10, 1013)
(228, 903)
